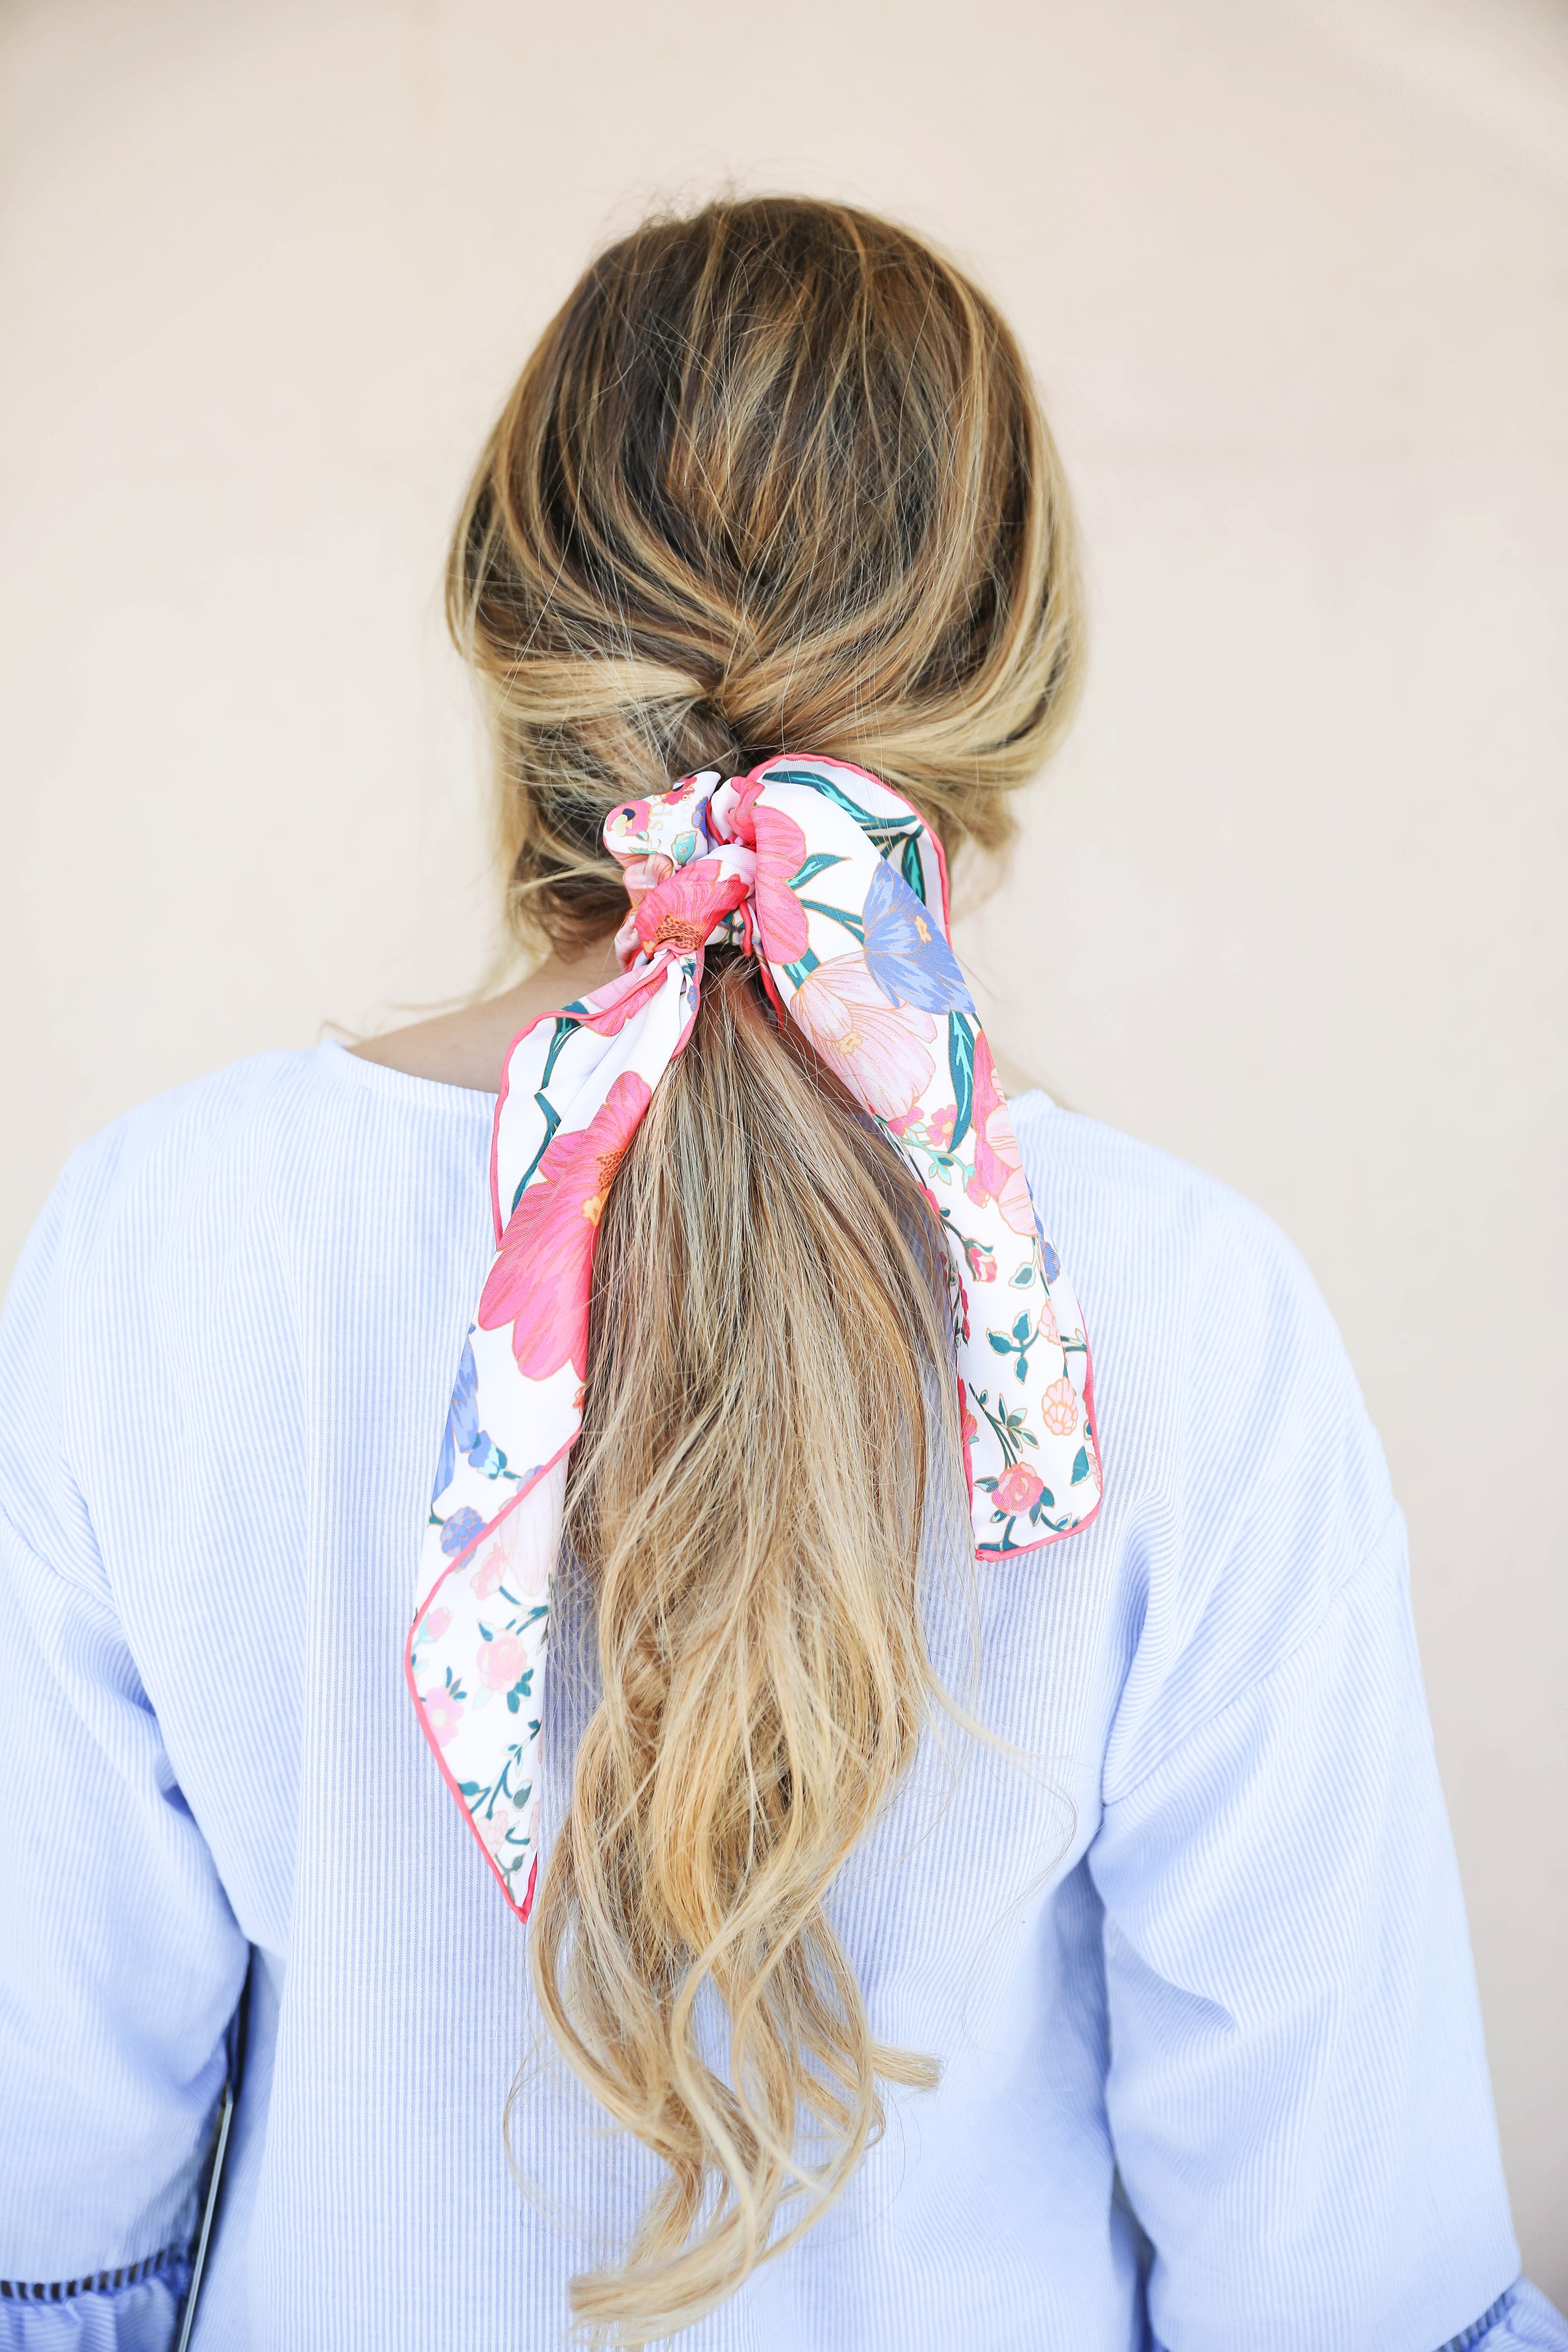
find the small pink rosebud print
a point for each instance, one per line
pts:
(1060, 1408)
(501, 1660)
(982, 1261)
(442, 1715)
(487, 1575)
(1018, 1489)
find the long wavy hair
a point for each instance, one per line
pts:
(775, 477)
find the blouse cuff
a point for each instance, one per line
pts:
(1520, 2321)
(141, 2315)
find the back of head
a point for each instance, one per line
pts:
(775, 478)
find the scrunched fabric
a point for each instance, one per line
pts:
(839, 889)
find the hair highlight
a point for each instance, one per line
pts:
(775, 478)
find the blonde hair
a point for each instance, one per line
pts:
(774, 478)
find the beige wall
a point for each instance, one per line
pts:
(1292, 271)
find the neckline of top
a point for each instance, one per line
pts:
(382, 1078)
(402, 1084)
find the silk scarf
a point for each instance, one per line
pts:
(839, 889)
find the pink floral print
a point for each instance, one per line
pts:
(502, 1661)
(681, 912)
(1060, 1407)
(539, 1282)
(442, 1715)
(1018, 1489)
(610, 1008)
(877, 1048)
(781, 853)
(998, 1169)
(833, 883)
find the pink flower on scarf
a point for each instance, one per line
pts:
(612, 1006)
(442, 1715)
(781, 918)
(682, 909)
(487, 1574)
(539, 1282)
(998, 1166)
(644, 874)
(875, 1047)
(1060, 1407)
(1018, 1489)
(501, 1660)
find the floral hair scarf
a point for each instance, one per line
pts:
(839, 887)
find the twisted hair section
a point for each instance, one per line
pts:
(775, 478)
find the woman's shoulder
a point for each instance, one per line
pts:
(276, 1126)
(1245, 1485)
(328, 1084)
(1152, 1237)
(208, 1233)
(252, 1173)
(1201, 1303)
(1209, 1338)
(230, 1105)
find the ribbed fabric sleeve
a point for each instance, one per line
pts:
(120, 1963)
(142, 2317)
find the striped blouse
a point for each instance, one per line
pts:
(1195, 1965)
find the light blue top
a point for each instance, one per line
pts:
(1197, 1971)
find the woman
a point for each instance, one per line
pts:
(971, 1872)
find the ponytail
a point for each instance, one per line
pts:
(747, 1496)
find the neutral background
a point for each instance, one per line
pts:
(1292, 272)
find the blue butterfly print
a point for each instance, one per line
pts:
(906, 953)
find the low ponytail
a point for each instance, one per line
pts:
(748, 1494)
(774, 478)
